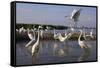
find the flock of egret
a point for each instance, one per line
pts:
(34, 42)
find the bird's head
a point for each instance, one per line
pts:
(80, 30)
(39, 27)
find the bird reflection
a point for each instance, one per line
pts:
(55, 46)
(34, 59)
(85, 54)
(61, 50)
(85, 47)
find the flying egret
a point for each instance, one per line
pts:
(74, 16)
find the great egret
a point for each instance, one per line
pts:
(86, 48)
(74, 16)
(55, 36)
(17, 31)
(62, 39)
(35, 47)
(41, 31)
(65, 33)
(31, 35)
(91, 34)
(22, 30)
(81, 43)
(34, 44)
(47, 28)
(67, 36)
(88, 37)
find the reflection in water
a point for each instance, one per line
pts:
(55, 46)
(34, 59)
(54, 52)
(85, 54)
(61, 50)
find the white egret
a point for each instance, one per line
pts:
(83, 43)
(31, 34)
(22, 30)
(65, 33)
(34, 44)
(67, 36)
(47, 28)
(74, 16)
(91, 34)
(55, 36)
(88, 37)
(62, 39)
(35, 47)
(86, 48)
(17, 30)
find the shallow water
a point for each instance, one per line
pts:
(54, 52)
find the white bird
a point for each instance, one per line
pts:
(83, 43)
(67, 36)
(31, 34)
(47, 28)
(41, 32)
(17, 30)
(90, 36)
(74, 16)
(22, 30)
(55, 36)
(65, 33)
(86, 48)
(62, 39)
(34, 44)
(35, 47)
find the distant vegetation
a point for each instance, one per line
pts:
(60, 27)
(36, 26)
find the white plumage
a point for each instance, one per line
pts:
(82, 44)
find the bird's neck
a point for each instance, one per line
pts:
(34, 35)
(38, 36)
(54, 32)
(38, 33)
(79, 39)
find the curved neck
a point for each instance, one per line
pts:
(34, 34)
(79, 39)
(54, 32)
(38, 33)
(38, 36)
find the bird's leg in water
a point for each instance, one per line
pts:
(34, 59)
(85, 54)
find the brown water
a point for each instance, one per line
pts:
(54, 52)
